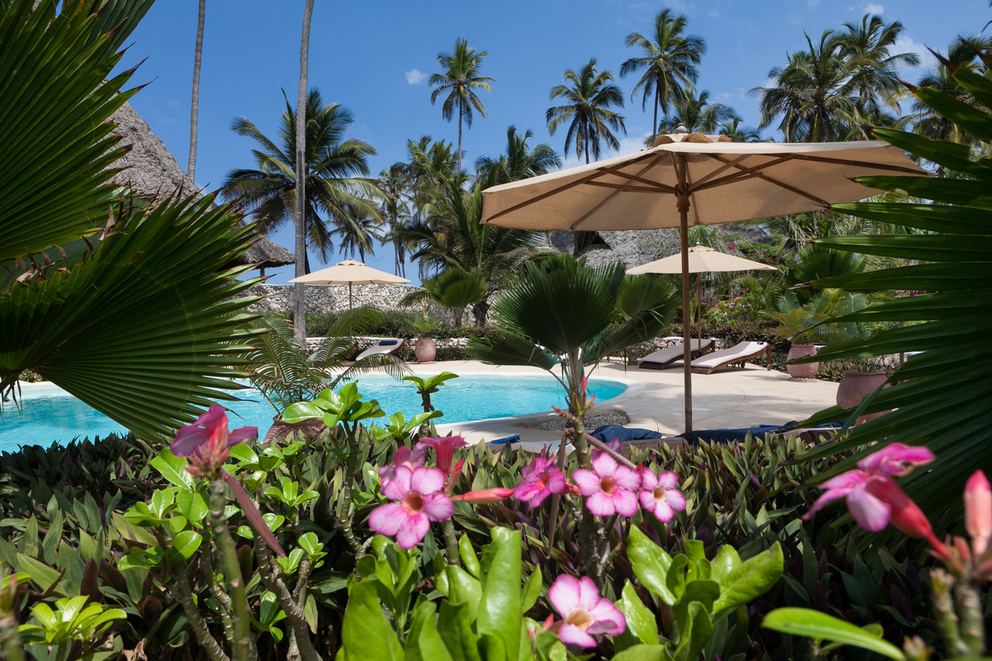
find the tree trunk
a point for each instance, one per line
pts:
(461, 106)
(299, 312)
(195, 103)
(481, 310)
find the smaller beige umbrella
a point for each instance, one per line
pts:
(701, 260)
(350, 272)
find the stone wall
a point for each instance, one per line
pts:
(334, 298)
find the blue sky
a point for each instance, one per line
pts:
(374, 58)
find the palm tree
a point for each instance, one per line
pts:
(450, 235)
(332, 190)
(732, 129)
(873, 69)
(460, 78)
(519, 162)
(396, 185)
(669, 61)
(134, 311)
(589, 96)
(813, 94)
(697, 114)
(356, 232)
(195, 102)
(300, 170)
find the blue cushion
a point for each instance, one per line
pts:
(608, 433)
(508, 439)
(388, 343)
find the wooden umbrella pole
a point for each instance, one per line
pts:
(682, 191)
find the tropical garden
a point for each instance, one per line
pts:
(360, 534)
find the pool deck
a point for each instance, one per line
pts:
(729, 398)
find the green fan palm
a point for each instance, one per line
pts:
(134, 312)
(941, 398)
(563, 314)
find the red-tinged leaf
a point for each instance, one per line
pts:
(253, 515)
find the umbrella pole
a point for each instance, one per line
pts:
(683, 207)
(699, 308)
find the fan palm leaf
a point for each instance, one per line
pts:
(940, 398)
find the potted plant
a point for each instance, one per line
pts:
(424, 348)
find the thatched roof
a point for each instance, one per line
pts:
(152, 172)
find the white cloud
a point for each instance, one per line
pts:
(874, 8)
(414, 77)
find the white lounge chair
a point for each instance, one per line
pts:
(663, 358)
(383, 345)
(735, 355)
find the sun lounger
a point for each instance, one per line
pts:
(384, 345)
(735, 355)
(663, 358)
(809, 435)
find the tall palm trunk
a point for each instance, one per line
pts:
(299, 209)
(461, 113)
(195, 103)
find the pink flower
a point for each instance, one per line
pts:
(659, 495)
(613, 445)
(872, 494)
(417, 504)
(584, 613)
(541, 478)
(404, 456)
(444, 449)
(206, 441)
(978, 511)
(610, 489)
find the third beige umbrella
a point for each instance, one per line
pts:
(701, 260)
(694, 179)
(350, 272)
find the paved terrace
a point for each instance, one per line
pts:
(730, 398)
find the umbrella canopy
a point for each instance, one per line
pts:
(350, 272)
(691, 178)
(702, 259)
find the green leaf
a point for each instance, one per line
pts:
(693, 637)
(429, 641)
(193, 505)
(186, 543)
(650, 564)
(41, 574)
(301, 412)
(365, 632)
(173, 469)
(820, 626)
(499, 612)
(751, 579)
(644, 653)
(640, 620)
(532, 589)
(464, 590)
(467, 553)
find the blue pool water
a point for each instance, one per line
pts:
(48, 414)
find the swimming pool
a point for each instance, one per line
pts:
(48, 414)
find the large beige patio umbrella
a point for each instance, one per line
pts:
(350, 272)
(702, 259)
(694, 179)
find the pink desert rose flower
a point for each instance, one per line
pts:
(609, 488)
(541, 478)
(417, 503)
(404, 456)
(444, 449)
(659, 494)
(584, 613)
(873, 497)
(206, 442)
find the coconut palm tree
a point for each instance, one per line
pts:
(697, 114)
(451, 235)
(356, 231)
(300, 167)
(811, 94)
(460, 78)
(396, 185)
(195, 102)
(334, 187)
(670, 60)
(866, 47)
(519, 162)
(589, 96)
(732, 129)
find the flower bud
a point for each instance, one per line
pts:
(978, 511)
(484, 495)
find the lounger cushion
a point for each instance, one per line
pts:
(743, 349)
(608, 433)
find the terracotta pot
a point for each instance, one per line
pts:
(425, 349)
(855, 386)
(302, 431)
(806, 370)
